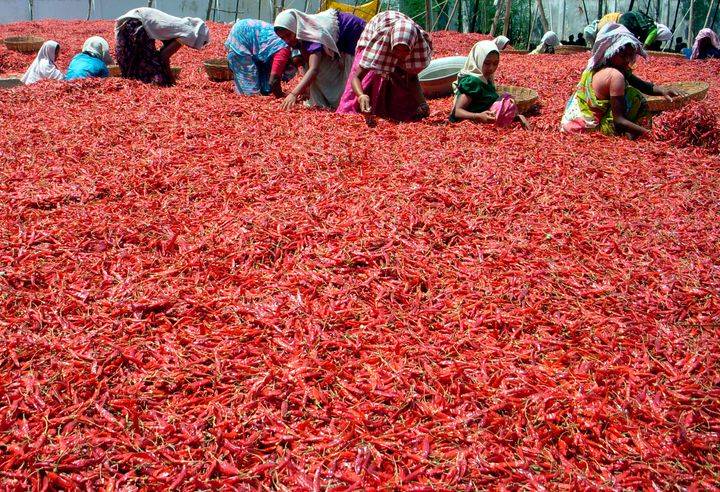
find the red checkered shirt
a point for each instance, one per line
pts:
(386, 30)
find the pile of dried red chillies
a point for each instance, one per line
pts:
(198, 290)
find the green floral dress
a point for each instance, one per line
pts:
(585, 112)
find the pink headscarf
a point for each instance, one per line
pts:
(704, 33)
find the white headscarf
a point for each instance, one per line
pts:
(43, 67)
(663, 32)
(611, 38)
(590, 32)
(501, 42)
(190, 31)
(550, 39)
(98, 47)
(476, 59)
(314, 28)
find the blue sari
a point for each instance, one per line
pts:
(251, 46)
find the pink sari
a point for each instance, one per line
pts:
(392, 97)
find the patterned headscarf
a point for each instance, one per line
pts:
(704, 33)
(611, 39)
(385, 31)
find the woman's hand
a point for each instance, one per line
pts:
(364, 103)
(667, 92)
(289, 101)
(487, 117)
(423, 111)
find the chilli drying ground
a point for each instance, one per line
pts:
(198, 289)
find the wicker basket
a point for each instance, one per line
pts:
(567, 49)
(692, 91)
(10, 81)
(24, 44)
(218, 70)
(666, 54)
(115, 71)
(524, 97)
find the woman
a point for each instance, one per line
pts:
(609, 18)
(136, 32)
(92, 61)
(663, 34)
(258, 58)
(641, 25)
(707, 45)
(476, 97)
(501, 42)
(43, 67)
(590, 32)
(384, 82)
(327, 42)
(609, 97)
(547, 44)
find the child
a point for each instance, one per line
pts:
(43, 67)
(475, 95)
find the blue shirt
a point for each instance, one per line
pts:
(83, 66)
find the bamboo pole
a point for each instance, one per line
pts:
(532, 28)
(31, 10)
(543, 18)
(531, 21)
(90, 2)
(691, 20)
(496, 19)
(677, 10)
(428, 15)
(587, 18)
(710, 9)
(461, 20)
(473, 19)
(452, 13)
(209, 9)
(712, 22)
(506, 22)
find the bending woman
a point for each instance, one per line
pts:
(136, 33)
(501, 42)
(609, 98)
(43, 67)
(547, 44)
(391, 52)
(92, 61)
(641, 25)
(258, 58)
(327, 42)
(707, 45)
